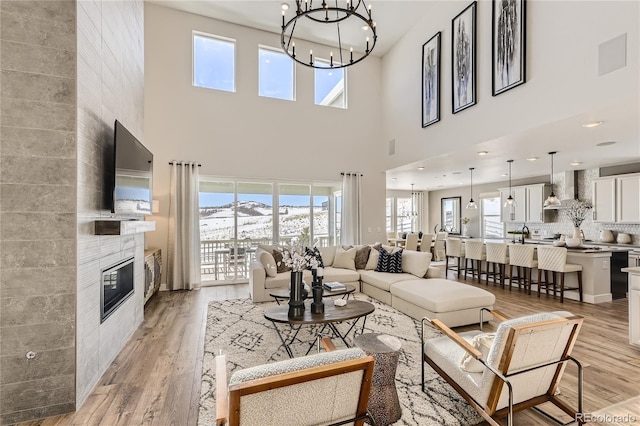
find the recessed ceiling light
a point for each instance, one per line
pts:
(456, 173)
(483, 152)
(532, 158)
(420, 168)
(284, 6)
(592, 124)
(504, 175)
(606, 143)
(444, 175)
(440, 186)
(460, 183)
(394, 178)
(575, 163)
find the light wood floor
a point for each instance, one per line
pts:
(156, 377)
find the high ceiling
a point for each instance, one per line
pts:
(574, 143)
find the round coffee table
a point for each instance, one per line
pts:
(384, 405)
(282, 293)
(353, 310)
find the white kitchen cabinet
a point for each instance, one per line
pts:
(529, 201)
(603, 196)
(634, 309)
(628, 199)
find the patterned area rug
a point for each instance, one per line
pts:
(239, 329)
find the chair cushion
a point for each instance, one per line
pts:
(295, 364)
(481, 342)
(282, 279)
(441, 295)
(332, 273)
(571, 267)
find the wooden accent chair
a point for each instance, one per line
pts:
(329, 388)
(522, 368)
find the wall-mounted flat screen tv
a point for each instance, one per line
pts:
(132, 193)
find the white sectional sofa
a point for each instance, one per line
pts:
(418, 291)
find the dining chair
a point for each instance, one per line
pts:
(439, 246)
(412, 242)
(426, 244)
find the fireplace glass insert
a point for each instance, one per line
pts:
(117, 286)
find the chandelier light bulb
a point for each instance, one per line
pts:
(471, 205)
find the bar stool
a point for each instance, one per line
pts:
(522, 257)
(453, 249)
(554, 260)
(497, 258)
(473, 251)
(439, 246)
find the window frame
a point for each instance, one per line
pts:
(293, 77)
(233, 41)
(345, 89)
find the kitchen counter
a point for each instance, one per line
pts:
(634, 304)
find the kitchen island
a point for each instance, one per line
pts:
(596, 269)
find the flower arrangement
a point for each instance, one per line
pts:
(298, 259)
(577, 211)
(465, 220)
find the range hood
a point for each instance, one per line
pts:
(567, 189)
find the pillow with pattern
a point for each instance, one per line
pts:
(315, 254)
(278, 257)
(389, 262)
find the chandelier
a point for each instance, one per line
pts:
(472, 204)
(329, 19)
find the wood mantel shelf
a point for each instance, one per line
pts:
(123, 227)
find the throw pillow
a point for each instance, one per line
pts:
(345, 258)
(416, 262)
(314, 253)
(483, 343)
(390, 262)
(278, 257)
(372, 262)
(328, 253)
(268, 262)
(362, 255)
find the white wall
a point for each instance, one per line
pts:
(562, 75)
(242, 135)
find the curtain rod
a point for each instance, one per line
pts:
(351, 174)
(181, 163)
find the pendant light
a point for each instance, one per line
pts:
(511, 202)
(472, 204)
(552, 201)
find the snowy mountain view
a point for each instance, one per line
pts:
(255, 221)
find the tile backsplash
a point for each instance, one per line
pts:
(559, 224)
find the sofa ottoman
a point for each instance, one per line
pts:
(451, 302)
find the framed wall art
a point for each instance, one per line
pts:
(463, 59)
(431, 81)
(508, 47)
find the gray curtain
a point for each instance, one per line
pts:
(184, 227)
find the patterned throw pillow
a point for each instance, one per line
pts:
(314, 253)
(277, 256)
(388, 262)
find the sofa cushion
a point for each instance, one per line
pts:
(267, 261)
(282, 279)
(327, 253)
(440, 295)
(416, 262)
(345, 258)
(362, 255)
(389, 262)
(383, 280)
(340, 274)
